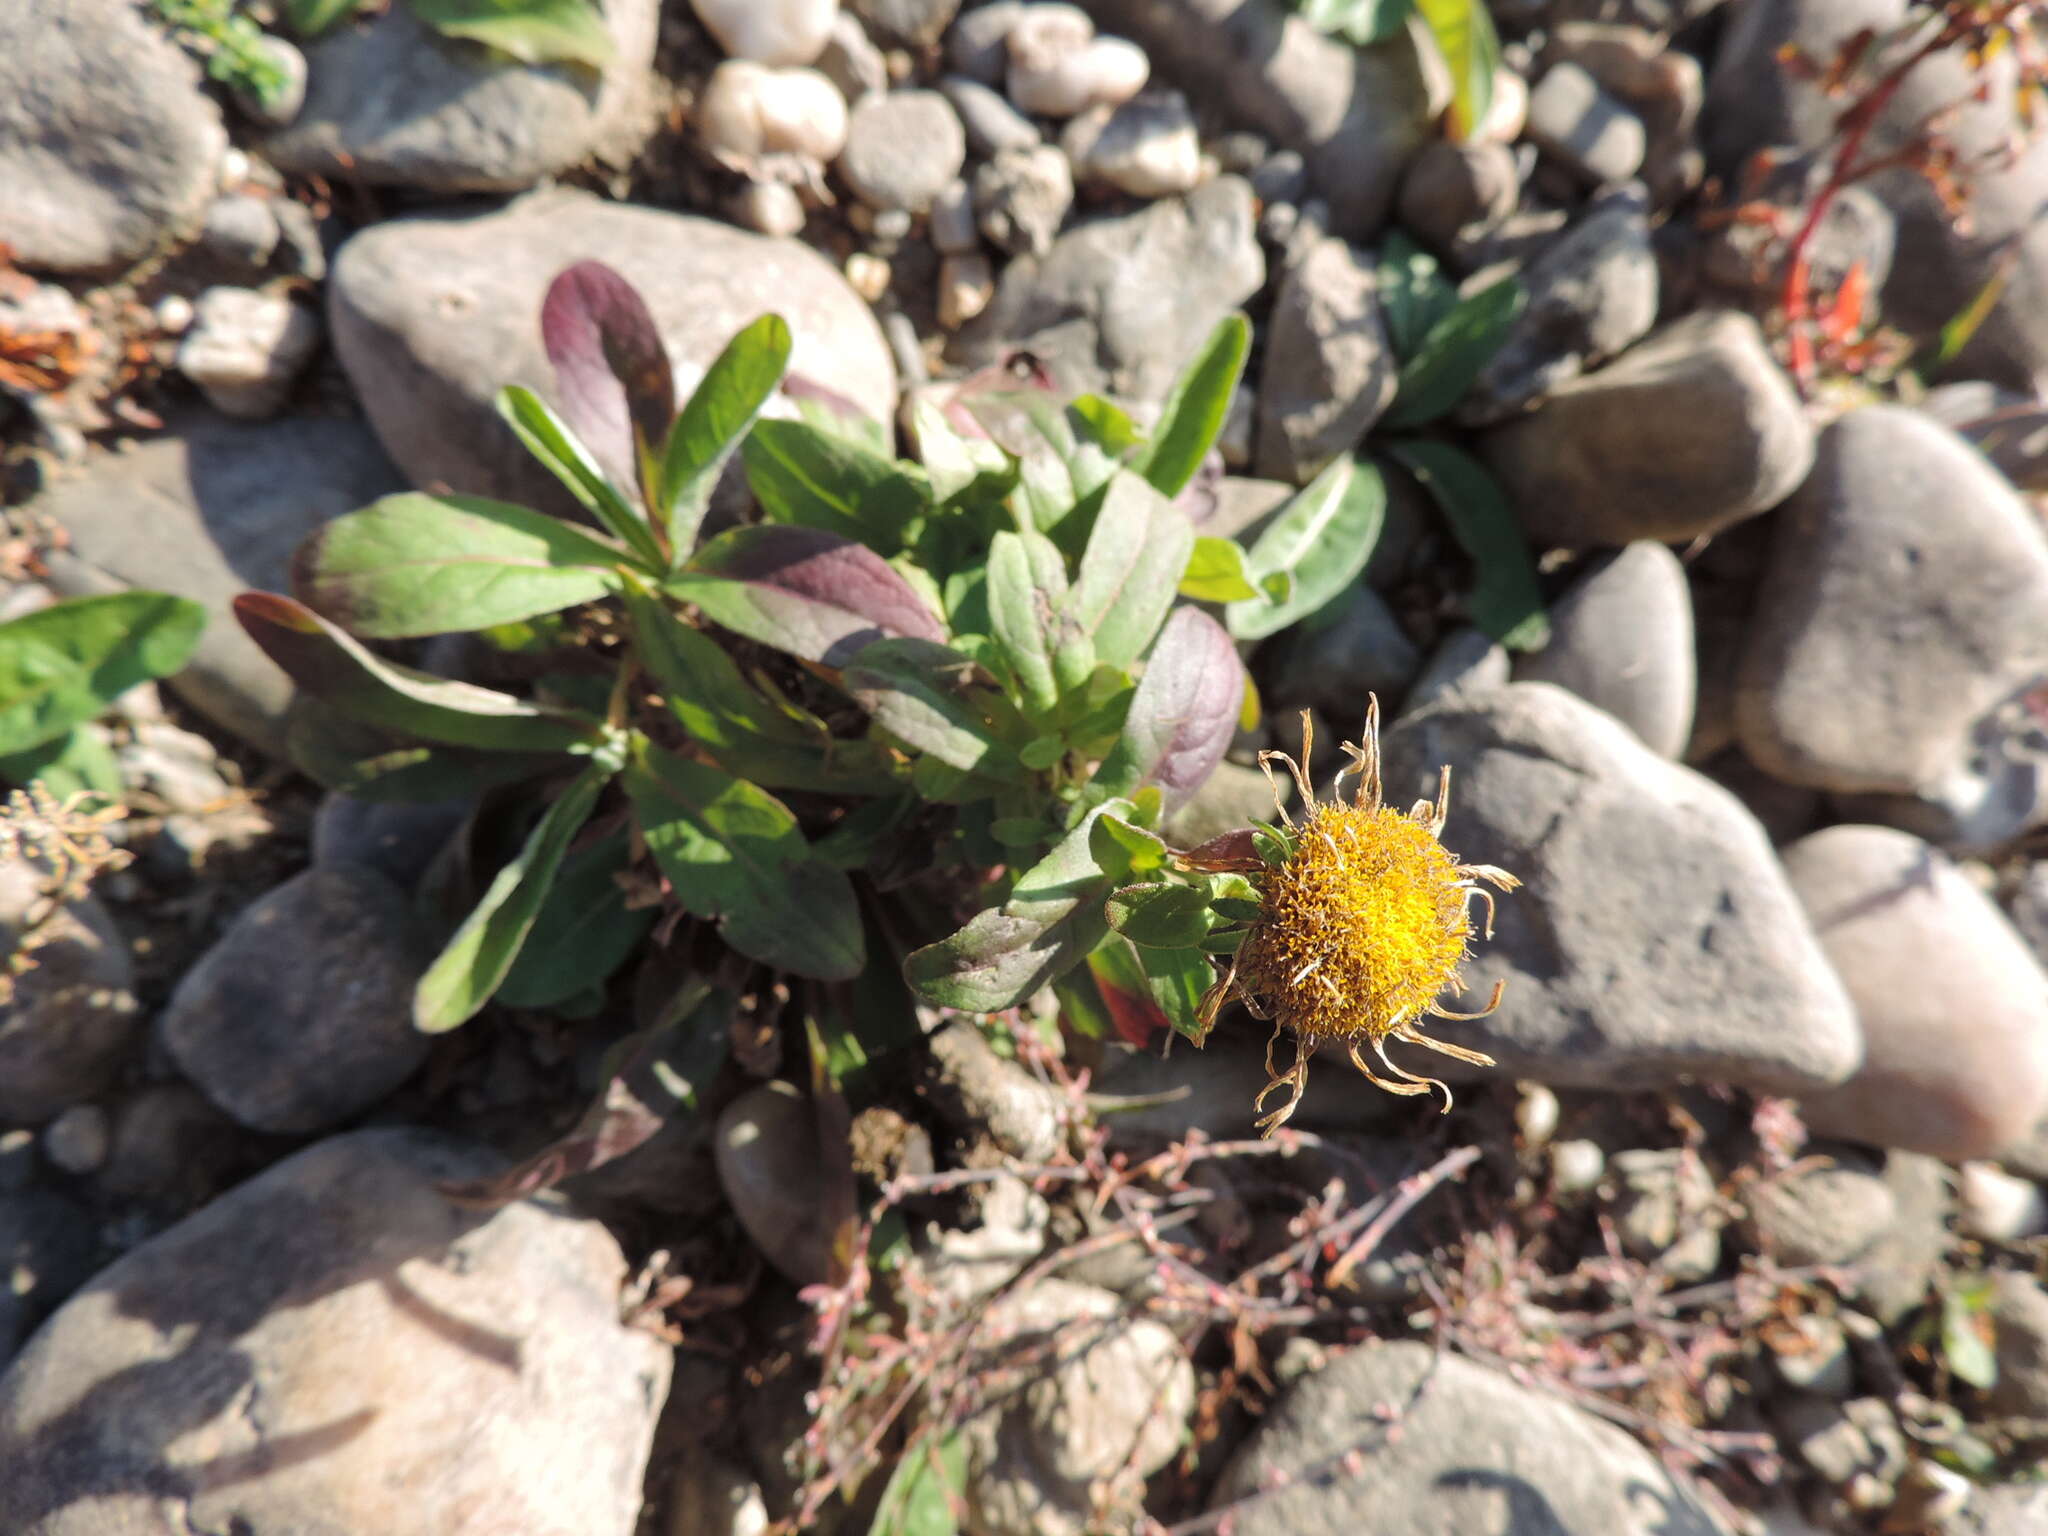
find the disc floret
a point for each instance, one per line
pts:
(1364, 919)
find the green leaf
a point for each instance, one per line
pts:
(918, 691)
(1236, 909)
(1451, 356)
(548, 438)
(1321, 541)
(78, 762)
(1216, 573)
(806, 591)
(713, 422)
(1131, 569)
(459, 983)
(811, 478)
(1053, 918)
(331, 665)
(1046, 650)
(63, 665)
(1194, 412)
(733, 854)
(1966, 1344)
(1273, 845)
(1159, 916)
(1506, 601)
(583, 931)
(1104, 424)
(531, 31)
(1359, 21)
(962, 469)
(748, 735)
(1413, 292)
(310, 18)
(1465, 37)
(370, 763)
(1123, 850)
(919, 1497)
(415, 564)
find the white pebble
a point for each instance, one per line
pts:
(1997, 1206)
(1058, 67)
(769, 31)
(234, 168)
(174, 314)
(749, 110)
(246, 348)
(966, 284)
(1508, 112)
(1576, 1166)
(868, 274)
(769, 208)
(1536, 1113)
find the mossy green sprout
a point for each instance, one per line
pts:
(1364, 920)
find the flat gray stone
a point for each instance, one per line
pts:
(300, 1016)
(432, 315)
(1687, 432)
(1433, 1443)
(1330, 369)
(1906, 599)
(1953, 1007)
(1120, 304)
(395, 103)
(1621, 638)
(335, 1347)
(108, 142)
(211, 509)
(1655, 937)
(902, 150)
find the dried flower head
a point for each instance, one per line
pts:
(1364, 919)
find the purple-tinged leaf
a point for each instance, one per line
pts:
(918, 692)
(805, 591)
(1184, 713)
(613, 383)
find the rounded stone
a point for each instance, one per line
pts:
(769, 1166)
(300, 1016)
(903, 149)
(748, 110)
(1953, 1008)
(769, 31)
(69, 1022)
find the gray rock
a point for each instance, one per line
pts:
(1592, 293)
(907, 23)
(398, 839)
(1785, 810)
(431, 315)
(770, 1168)
(171, 1147)
(1897, 1269)
(316, 1351)
(76, 1141)
(1831, 1214)
(1583, 128)
(207, 510)
(1692, 430)
(953, 230)
(1106, 1405)
(1998, 793)
(1021, 198)
(991, 123)
(976, 42)
(240, 233)
(67, 1027)
(1943, 260)
(49, 1247)
(1666, 1211)
(394, 103)
(1244, 506)
(1355, 115)
(1352, 648)
(1280, 178)
(1954, 1010)
(1434, 1443)
(1811, 1355)
(1120, 303)
(902, 149)
(852, 62)
(1329, 370)
(2008, 1509)
(1148, 147)
(1454, 196)
(1466, 660)
(246, 350)
(2015, 438)
(1621, 638)
(300, 1016)
(108, 143)
(1660, 85)
(1906, 599)
(1655, 937)
(2019, 1320)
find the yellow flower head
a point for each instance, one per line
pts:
(1363, 922)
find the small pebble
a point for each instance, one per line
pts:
(976, 43)
(246, 349)
(1536, 1114)
(1576, 1166)
(1997, 1206)
(1058, 67)
(748, 110)
(992, 124)
(966, 284)
(769, 208)
(174, 314)
(1281, 177)
(76, 1141)
(1022, 196)
(1580, 126)
(868, 274)
(851, 62)
(1147, 147)
(903, 149)
(952, 220)
(769, 31)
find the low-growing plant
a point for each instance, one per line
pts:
(1461, 30)
(227, 37)
(532, 31)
